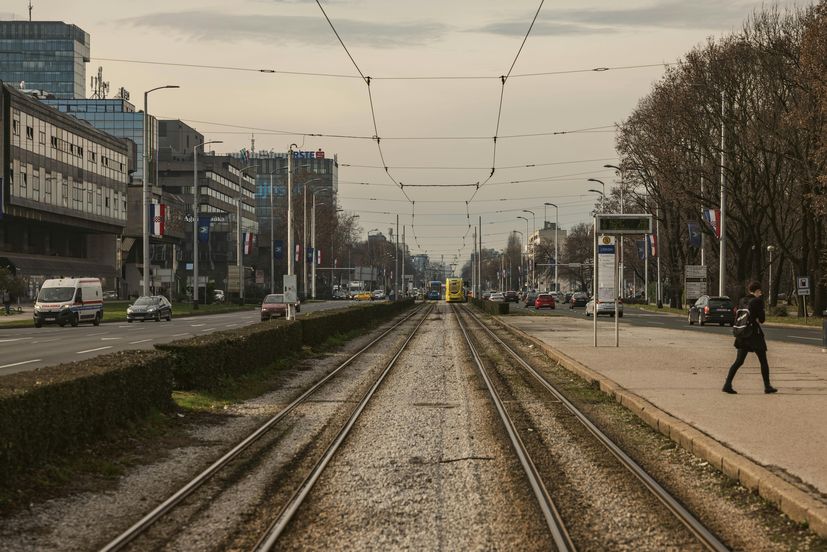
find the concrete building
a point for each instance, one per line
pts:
(63, 194)
(48, 56)
(219, 181)
(540, 251)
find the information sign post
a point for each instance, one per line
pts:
(291, 294)
(803, 285)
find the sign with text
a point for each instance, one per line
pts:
(624, 224)
(695, 281)
(606, 269)
(803, 285)
(233, 279)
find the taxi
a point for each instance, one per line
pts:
(363, 296)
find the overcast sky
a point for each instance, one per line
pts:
(403, 38)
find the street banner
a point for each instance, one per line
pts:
(309, 256)
(248, 242)
(298, 252)
(278, 250)
(204, 228)
(318, 257)
(641, 249)
(652, 243)
(713, 218)
(157, 213)
(694, 235)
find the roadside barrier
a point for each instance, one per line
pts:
(490, 307)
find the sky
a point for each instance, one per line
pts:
(432, 131)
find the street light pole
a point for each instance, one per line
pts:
(313, 244)
(532, 239)
(196, 212)
(770, 249)
(602, 194)
(722, 270)
(239, 242)
(145, 188)
(620, 238)
(290, 248)
(556, 231)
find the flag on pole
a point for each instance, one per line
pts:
(278, 250)
(248, 242)
(641, 249)
(652, 244)
(309, 255)
(694, 235)
(204, 228)
(298, 252)
(319, 257)
(157, 213)
(713, 218)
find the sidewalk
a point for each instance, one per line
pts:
(681, 373)
(15, 316)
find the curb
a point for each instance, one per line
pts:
(795, 503)
(768, 324)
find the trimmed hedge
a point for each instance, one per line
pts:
(490, 307)
(58, 409)
(202, 362)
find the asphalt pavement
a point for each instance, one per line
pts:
(803, 335)
(27, 349)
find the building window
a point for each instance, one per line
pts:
(42, 137)
(93, 157)
(15, 127)
(29, 133)
(80, 151)
(54, 141)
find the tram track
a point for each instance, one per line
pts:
(557, 526)
(238, 453)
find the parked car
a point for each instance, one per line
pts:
(149, 307)
(529, 299)
(707, 309)
(605, 307)
(341, 294)
(111, 294)
(567, 298)
(545, 300)
(578, 299)
(218, 296)
(511, 297)
(497, 297)
(486, 295)
(379, 294)
(274, 305)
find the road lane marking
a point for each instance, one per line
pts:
(807, 338)
(45, 341)
(181, 334)
(20, 363)
(231, 325)
(97, 334)
(110, 338)
(208, 330)
(93, 350)
(14, 339)
(140, 341)
(197, 325)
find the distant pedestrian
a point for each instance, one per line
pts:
(754, 343)
(7, 301)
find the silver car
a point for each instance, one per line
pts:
(604, 308)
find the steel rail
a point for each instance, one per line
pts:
(704, 535)
(162, 509)
(557, 528)
(268, 540)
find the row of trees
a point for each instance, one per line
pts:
(748, 112)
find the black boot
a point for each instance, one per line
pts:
(728, 389)
(770, 389)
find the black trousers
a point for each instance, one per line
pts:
(739, 361)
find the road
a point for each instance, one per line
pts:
(27, 349)
(802, 335)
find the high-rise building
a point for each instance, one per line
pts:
(44, 55)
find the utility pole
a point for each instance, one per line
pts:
(722, 270)
(479, 265)
(402, 271)
(396, 263)
(291, 250)
(657, 254)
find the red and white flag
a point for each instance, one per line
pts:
(157, 216)
(319, 257)
(248, 242)
(652, 245)
(713, 218)
(298, 252)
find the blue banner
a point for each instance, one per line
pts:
(694, 235)
(278, 250)
(204, 228)
(309, 256)
(641, 249)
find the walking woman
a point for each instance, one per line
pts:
(754, 343)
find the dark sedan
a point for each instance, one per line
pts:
(511, 297)
(152, 307)
(578, 299)
(715, 310)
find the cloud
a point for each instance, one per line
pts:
(218, 26)
(673, 14)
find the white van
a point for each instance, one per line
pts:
(69, 301)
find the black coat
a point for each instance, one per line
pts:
(757, 317)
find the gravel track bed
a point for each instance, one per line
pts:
(89, 520)
(740, 518)
(426, 467)
(604, 506)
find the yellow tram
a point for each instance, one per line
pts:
(453, 290)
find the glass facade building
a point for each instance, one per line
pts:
(44, 55)
(118, 118)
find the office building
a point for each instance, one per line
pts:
(47, 56)
(63, 193)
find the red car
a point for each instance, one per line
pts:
(274, 305)
(544, 300)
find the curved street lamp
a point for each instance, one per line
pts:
(602, 193)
